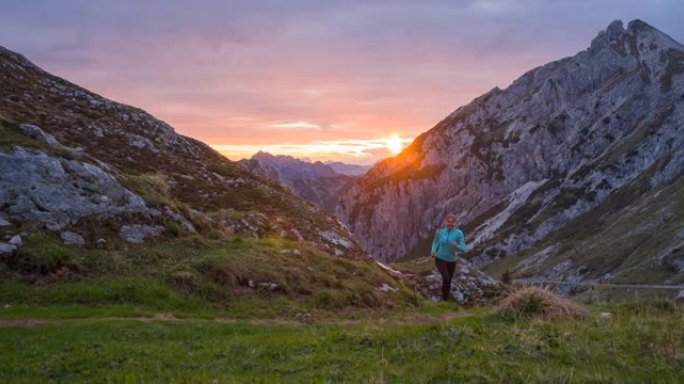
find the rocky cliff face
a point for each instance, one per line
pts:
(582, 139)
(316, 182)
(72, 161)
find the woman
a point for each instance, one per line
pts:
(448, 240)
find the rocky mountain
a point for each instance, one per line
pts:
(348, 169)
(574, 171)
(316, 182)
(94, 189)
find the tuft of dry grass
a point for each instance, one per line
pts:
(530, 302)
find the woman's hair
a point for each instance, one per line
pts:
(446, 218)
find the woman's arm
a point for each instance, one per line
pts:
(435, 244)
(459, 242)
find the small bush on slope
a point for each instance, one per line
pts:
(533, 302)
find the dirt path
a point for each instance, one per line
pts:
(166, 317)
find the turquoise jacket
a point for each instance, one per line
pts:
(447, 242)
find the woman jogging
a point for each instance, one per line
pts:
(448, 240)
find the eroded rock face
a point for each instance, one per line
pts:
(518, 164)
(56, 192)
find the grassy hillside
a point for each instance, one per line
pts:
(243, 277)
(637, 344)
(149, 158)
(228, 241)
(626, 236)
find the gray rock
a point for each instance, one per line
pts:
(4, 223)
(605, 315)
(141, 142)
(268, 285)
(136, 234)
(387, 288)
(7, 249)
(16, 241)
(680, 296)
(458, 296)
(38, 134)
(73, 238)
(56, 192)
(180, 219)
(473, 287)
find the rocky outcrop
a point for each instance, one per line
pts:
(518, 164)
(56, 192)
(73, 238)
(469, 285)
(136, 234)
(7, 249)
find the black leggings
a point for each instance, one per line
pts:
(446, 269)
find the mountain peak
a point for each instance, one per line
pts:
(615, 28)
(637, 25)
(615, 35)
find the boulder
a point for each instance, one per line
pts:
(680, 296)
(40, 135)
(136, 234)
(7, 249)
(16, 241)
(73, 238)
(56, 192)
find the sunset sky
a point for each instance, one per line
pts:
(315, 79)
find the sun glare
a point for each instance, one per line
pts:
(394, 145)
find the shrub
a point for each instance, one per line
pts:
(40, 254)
(506, 277)
(533, 302)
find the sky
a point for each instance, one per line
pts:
(322, 80)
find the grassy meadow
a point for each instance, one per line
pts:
(436, 343)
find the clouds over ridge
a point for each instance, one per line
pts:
(247, 73)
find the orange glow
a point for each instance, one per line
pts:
(394, 145)
(352, 151)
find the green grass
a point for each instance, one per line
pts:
(637, 344)
(623, 235)
(241, 277)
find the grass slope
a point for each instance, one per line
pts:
(242, 277)
(630, 235)
(639, 343)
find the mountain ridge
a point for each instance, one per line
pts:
(316, 182)
(520, 163)
(102, 203)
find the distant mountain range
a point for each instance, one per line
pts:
(572, 172)
(348, 169)
(317, 182)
